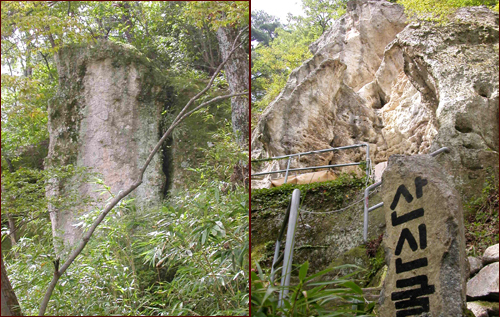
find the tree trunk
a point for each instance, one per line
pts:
(127, 21)
(10, 305)
(12, 229)
(236, 71)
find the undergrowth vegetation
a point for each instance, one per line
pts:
(481, 224)
(310, 297)
(188, 257)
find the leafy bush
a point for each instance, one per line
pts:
(338, 297)
(190, 257)
(438, 10)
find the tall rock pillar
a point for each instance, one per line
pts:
(106, 117)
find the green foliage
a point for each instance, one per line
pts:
(219, 13)
(376, 253)
(481, 224)
(438, 10)
(189, 257)
(264, 27)
(321, 13)
(24, 200)
(204, 235)
(337, 192)
(310, 296)
(221, 155)
(24, 110)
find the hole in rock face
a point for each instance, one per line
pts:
(382, 99)
(463, 129)
(483, 89)
(462, 124)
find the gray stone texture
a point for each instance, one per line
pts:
(475, 265)
(433, 238)
(484, 285)
(483, 309)
(105, 116)
(490, 255)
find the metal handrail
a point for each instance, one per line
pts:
(276, 259)
(287, 170)
(305, 168)
(286, 271)
(377, 184)
(310, 152)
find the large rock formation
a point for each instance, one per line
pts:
(106, 117)
(402, 88)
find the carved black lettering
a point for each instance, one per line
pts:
(406, 235)
(419, 183)
(401, 191)
(424, 289)
(422, 232)
(417, 213)
(408, 266)
(423, 302)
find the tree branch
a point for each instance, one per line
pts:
(236, 44)
(123, 194)
(48, 66)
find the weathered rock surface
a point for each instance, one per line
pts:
(424, 240)
(321, 105)
(485, 284)
(490, 255)
(455, 69)
(484, 309)
(379, 171)
(475, 265)
(404, 89)
(106, 116)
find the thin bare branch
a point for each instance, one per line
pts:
(48, 66)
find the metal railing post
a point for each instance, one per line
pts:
(287, 168)
(286, 271)
(365, 218)
(277, 259)
(367, 161)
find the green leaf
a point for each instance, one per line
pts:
(204, 236)
(354, 287)
(303, 271)
(318, 274)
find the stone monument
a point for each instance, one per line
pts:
(424, 241)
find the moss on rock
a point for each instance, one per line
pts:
(322, 237)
